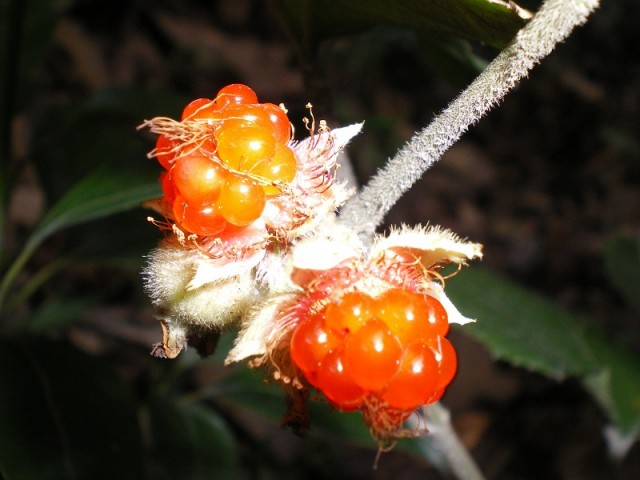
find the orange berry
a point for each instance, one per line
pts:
(197, 218)
(280, 121)
(165, 151)
(349, 313)
(372, 355)
(415, 382)
(310, 342)
(281, 168)
(337, 384)
(241, 148)
(241, 200)
(245, 116)
(236, 93)
(446, 359)
(199, 178)
(200, 108)
(409, 315)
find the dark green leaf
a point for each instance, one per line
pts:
(191, 442)
(70, 140)
(622, 263)
(521, 327)
(26, 26)
(617, 384)
(121, 239)
(60, 313)
(64, 414)
(527, 330)
(490, 22)
(102, 193)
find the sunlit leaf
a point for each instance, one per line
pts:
(64, 414)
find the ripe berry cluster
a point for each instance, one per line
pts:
(387, 350)
(227, 176)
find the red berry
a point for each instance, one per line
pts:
(372, 355)
(280, 121)
(169, 190)
(337, 384)
(200, 108)
(310, 342)
(409, 315)
(241, 200)
(165, 151)
(438, 318)
(349, 313)
(241, 148)
(236, 93)
(415, 382)
(446, 359)
(199, 219)
(435, 397)
(198, 178)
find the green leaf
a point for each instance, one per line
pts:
(527, 330)
(617, 384)
(191, 442)
(622, 264)
(521, 327)
(491, 22)
(59, 314)
(70, 139)
(102, 193)
(64, 414)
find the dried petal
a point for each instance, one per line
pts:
(429, 245)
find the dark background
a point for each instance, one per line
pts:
(544, 181)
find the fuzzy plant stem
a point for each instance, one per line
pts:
(551, 24)
(442, 438)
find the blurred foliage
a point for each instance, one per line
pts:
(65, 413)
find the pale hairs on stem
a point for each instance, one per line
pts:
(550, 25)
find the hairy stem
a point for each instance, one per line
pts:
(551, 24)
(443, 438)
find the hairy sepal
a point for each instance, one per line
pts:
(429, 245)
(189, 288)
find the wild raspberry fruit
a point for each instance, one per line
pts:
(235, 163)
(386, 353)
